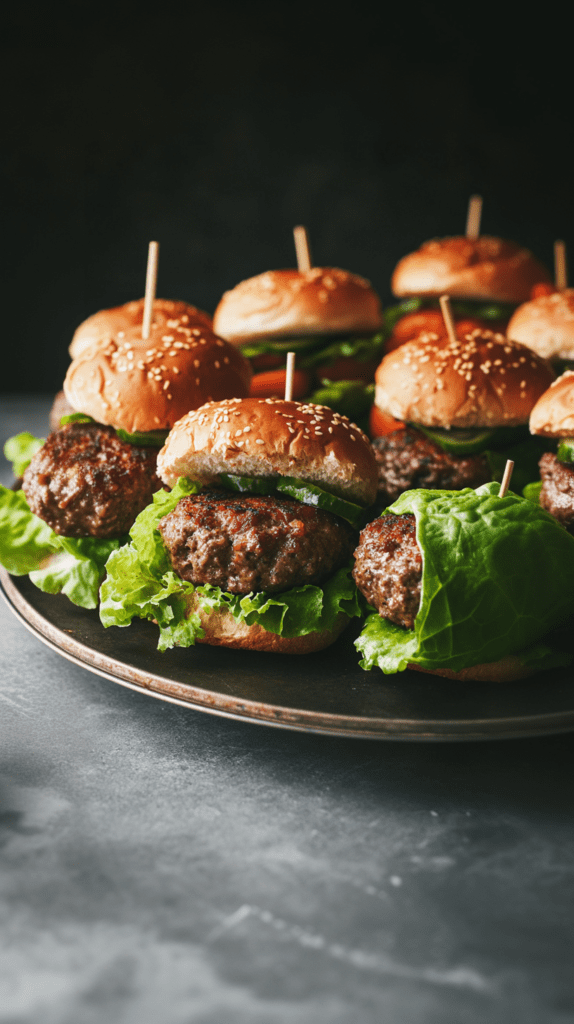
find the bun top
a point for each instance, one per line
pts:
(553, 414)
(484, 380)
(484, 268)
(148, 385)
(546, 325)
(106, 324)
(262, 437)
(289, 303)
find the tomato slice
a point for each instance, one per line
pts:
(544, 288)
(271, 384)
(381, 423)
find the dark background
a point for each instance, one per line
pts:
(216, 128)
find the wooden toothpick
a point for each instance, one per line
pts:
(560, 268)
(447, 317)
(289, 376)
(302, 249)
(473, 218)
(150, 287)
(506, 478)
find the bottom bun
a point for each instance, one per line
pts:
(504, 671)
(222, 630)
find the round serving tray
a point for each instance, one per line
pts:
(325, 693)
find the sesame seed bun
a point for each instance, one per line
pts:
(546, 325)
(148, 385)
(101, 327)
(553, 414)
(483, 269)
(263, 437)
(221, 630)
(484, 380)
(289, 303)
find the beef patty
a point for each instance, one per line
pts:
(85, 482)
(245, 543)
(388, 568)
(407, 458)
(557, 494)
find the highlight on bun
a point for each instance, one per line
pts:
(484, 380)
(104, 325)
(553, 414)
(261, 437)
(293, 303)
(546, 325)
(141, 386)
(485, 268)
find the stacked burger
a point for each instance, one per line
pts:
(329, 317)
(252, 546)
(456, 409)
(553, 418)
(83, 488)
(485, 276)
(465, 584)
(102, 327)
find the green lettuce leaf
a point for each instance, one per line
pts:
(295, 612)
(362, 349)
(392, 314)
(348, 397)
(20, 449)
(144, 532)
(280, 346)
(56, 565)
(76, 570)
(390, 648)
(25, 540)
(141, 584)
(532, 491)
(498, 574)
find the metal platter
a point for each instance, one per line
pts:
(325, 693)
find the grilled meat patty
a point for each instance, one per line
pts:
(388, 568)
(244, 543)
(557, 494)
(85, 482)
(407, 458)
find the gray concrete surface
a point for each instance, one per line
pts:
(160, 865)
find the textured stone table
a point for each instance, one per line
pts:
(161, 865)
